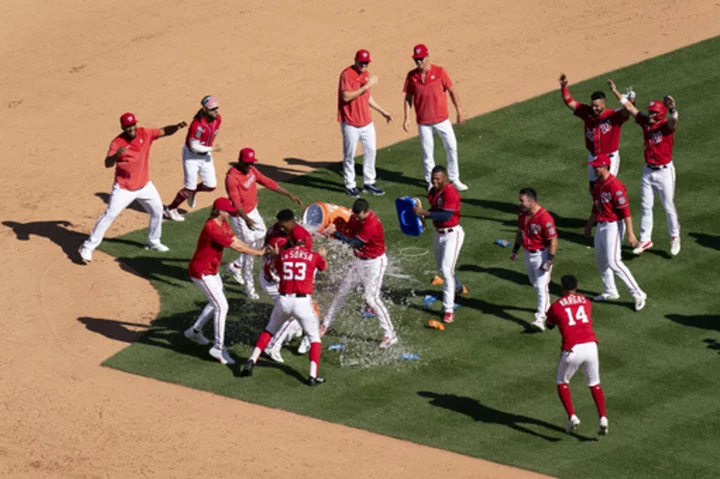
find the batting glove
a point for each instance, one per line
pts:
(630, 94)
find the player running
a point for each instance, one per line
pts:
(572, 313)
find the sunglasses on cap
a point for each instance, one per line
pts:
(364, 64)
(419, 59)
(214, 109)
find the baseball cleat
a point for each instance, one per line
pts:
(221, 355)
(236, 273)
(448, 317)
(437, 281)
(642, 247)
(191, 200)
(196, 337)
(603, 427)
(251, 293)
(157, 247)
(304, 345)
(354, 192)
(606, 297)
(315, 381)
(572, 424)
(85, 254)
(388, 341)
(274, 354)
(674, 245)
(459, 185)
(640, 301)
(247, 369)
(374, 190)
(173, 214)
(462, 290)
(538, 324)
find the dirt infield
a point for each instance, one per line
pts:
(72, 67)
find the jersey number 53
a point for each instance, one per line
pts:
(294, 271)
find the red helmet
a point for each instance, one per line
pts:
(658, 107)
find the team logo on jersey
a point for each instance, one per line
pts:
(534, 229)
(605, 197)
(619, 193)
(656, 137)
(621, 200)
(551, 231)
(548, 225)
(440, 202)
(605, 127)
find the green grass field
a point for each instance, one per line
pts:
(485, 387)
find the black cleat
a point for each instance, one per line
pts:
(372, 189)
(354, 192)
(247, 369)
(317, 381)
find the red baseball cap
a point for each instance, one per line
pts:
(224, 204)
(420, 51)
(600, 160)
(247, 155)
(127, 119)
(658, 107)
(362, 56)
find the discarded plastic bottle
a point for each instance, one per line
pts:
(410, 356)
(336, 347)
(502, 243)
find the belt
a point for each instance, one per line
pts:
(297, 295)
(443, 231)
(656, 167)
(535, 250)
(606, 222)
(364, 259)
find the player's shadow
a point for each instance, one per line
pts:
(712, 344)
(486, 414)
(122, 331)
(702, 321)
(56, 231)
(708, 241)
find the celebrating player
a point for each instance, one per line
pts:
(449, 236)
(130, 154)
(659, 172)
(424, 89)
(572, 313)
(602, 126)
(241, 186)
(610, 206)
(297, 266)
(537, 235)
(364, 233)
(203, 270)
(354, 103)
(197, 156)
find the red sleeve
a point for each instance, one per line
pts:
(549, 227)
(621, 205)
(452, 200)
(154, 133)
(219, 120)
(320, 262)
(264, 180)
(345, 81)
(582, 110)
(220, 235)
(445, 78)
(113, 147)
(550, 319)
(407, 87)
(233, 191)
(193, 131)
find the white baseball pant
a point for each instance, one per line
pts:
(608, 249)
(583, 356)
(300, 307)
(253, 238)
(446, 133)
(370, 273)
(212, 288)
(447, 244)
(539, 279)
(351, 136)
(291, 326)
(614, 165)
(195, 164)
(662, 182)
(120, 199)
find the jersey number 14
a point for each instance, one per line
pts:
(294, 271)
(580, 316)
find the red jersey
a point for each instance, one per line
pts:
(297, 267)
(610, 201)
(659, 139)
(369, 231)
(537, 229)
(357, 111)
(208, 254)
(275, 236)
(132, 169)
(447, 198)
(573, 316)
(242, 188)
(602, 133)
(202, 130)
(429, 98)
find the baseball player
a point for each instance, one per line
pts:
(286, 228)
(241, 185)
(602, 125)
(203, 270)
(354, 103)
(449, 236)
(130, 154)
(365, 235)
(538, 236)
(424, 89)
(659, 172)
(297, 266)
(611, 212)
(572, 314)
(197, 156)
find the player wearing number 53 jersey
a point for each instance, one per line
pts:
(572, 314)
(296, 266)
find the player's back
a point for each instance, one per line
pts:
(296, 267)
(573, 316)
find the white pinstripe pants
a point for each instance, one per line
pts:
(608, 249)
(539, 279)
(446, 248)
(212, 288)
